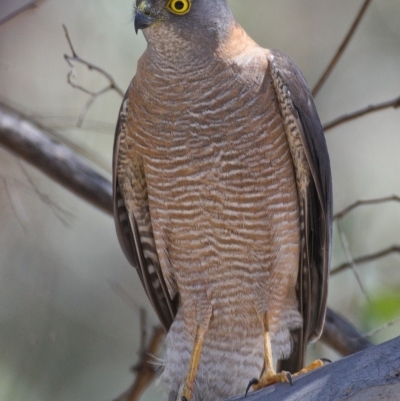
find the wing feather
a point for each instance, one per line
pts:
(314, 182)
(137, 242)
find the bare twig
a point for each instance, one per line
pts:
(145, 369)
(349, 257)
(394, 103)
(62, 214)
(373, 256)
(41, 148)
(384, 326)
(366, 258)
(362, 202)
(341, 48)
(15, 203)
(112, 85)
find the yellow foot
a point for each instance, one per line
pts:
(268, 378)
(271, 377)
(313, 365)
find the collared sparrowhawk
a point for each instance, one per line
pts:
(222, 199)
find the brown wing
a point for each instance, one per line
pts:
(137, 240)
(315, 200)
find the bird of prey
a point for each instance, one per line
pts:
(222, 199)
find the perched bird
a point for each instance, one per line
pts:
(222, 199)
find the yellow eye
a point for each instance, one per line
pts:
(179, 7)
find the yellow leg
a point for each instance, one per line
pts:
(194, 362)
(269, 375)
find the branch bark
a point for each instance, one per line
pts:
(39, 147)
(29, 5)
(373, 374)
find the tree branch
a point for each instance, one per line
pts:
(394, 103)
(373, 374)
(39, 147)
(341, 48)
(341, 336)
(29, 5)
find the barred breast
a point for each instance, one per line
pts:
(224, 212)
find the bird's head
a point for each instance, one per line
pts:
(202, 19)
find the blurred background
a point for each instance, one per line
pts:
(69, 301)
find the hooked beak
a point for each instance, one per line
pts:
(143, 20)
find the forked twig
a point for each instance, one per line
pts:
(373, 256)
(112, 85)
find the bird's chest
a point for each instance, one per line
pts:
(207, 129)
(216, 161)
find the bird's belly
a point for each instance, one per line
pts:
(224, 211)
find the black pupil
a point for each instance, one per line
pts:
(179, 5)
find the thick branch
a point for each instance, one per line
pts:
(341, 336)
(373, 374)
(341, 48)
(39, 147)
(394, 103)
(20, 10)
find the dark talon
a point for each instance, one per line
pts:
(184, 398)
(251, 382)
(325, 360)
(289, 377)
